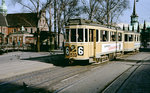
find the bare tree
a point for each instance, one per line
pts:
(110, 10)
(90, 7)
(64, 9)
(104, 11)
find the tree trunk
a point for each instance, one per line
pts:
(107, 20)
(50, 27)
(55, 10)
(38, 31)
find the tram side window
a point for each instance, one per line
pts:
(119, 36)
(104, 36)
(86, 35)
(112, 36)
(130, 37)
(126, 37)
(80, 35)
(91, 35)
(97, 38)
(73, 35)
(67, 35)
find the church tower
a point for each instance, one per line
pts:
(3, 8)
(134, 17)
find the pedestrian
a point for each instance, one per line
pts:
(18, 44)
(13, 45)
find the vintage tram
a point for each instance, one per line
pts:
(91, 41)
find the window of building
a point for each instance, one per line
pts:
(138, 38)
(31, 31)
(26, 29)
(80, 35)
(135, 38)
(119, 36)
(86, 35)
(104, 36)
(73, 35)
(3, 30)
(14, 30)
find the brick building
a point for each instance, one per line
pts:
(10, 24)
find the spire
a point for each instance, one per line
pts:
(134, 9)
(3, 8)
(134, 17)
(144, 27)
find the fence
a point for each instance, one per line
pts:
(6, 48)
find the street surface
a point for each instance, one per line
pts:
(29, 72)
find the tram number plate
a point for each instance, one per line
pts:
(73, 55)
(80, 50)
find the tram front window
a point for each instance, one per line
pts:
(86, 35)
(73, 35)
(67, 35)
(80, 35)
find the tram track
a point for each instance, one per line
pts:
(46, 78)
(117, 83)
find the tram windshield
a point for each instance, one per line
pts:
(73, 35)
(67, 35)
(80, 35)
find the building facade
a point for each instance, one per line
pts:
(11, 24)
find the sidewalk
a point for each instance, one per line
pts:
(13, 63)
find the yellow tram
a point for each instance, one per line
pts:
(88, 40)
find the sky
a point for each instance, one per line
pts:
(142, 10)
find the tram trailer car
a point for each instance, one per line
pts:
(88, 40)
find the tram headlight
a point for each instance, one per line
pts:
(67, 51)
(72, 47)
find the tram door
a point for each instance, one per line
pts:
(91, 42)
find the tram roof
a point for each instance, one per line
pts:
(79, 21)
